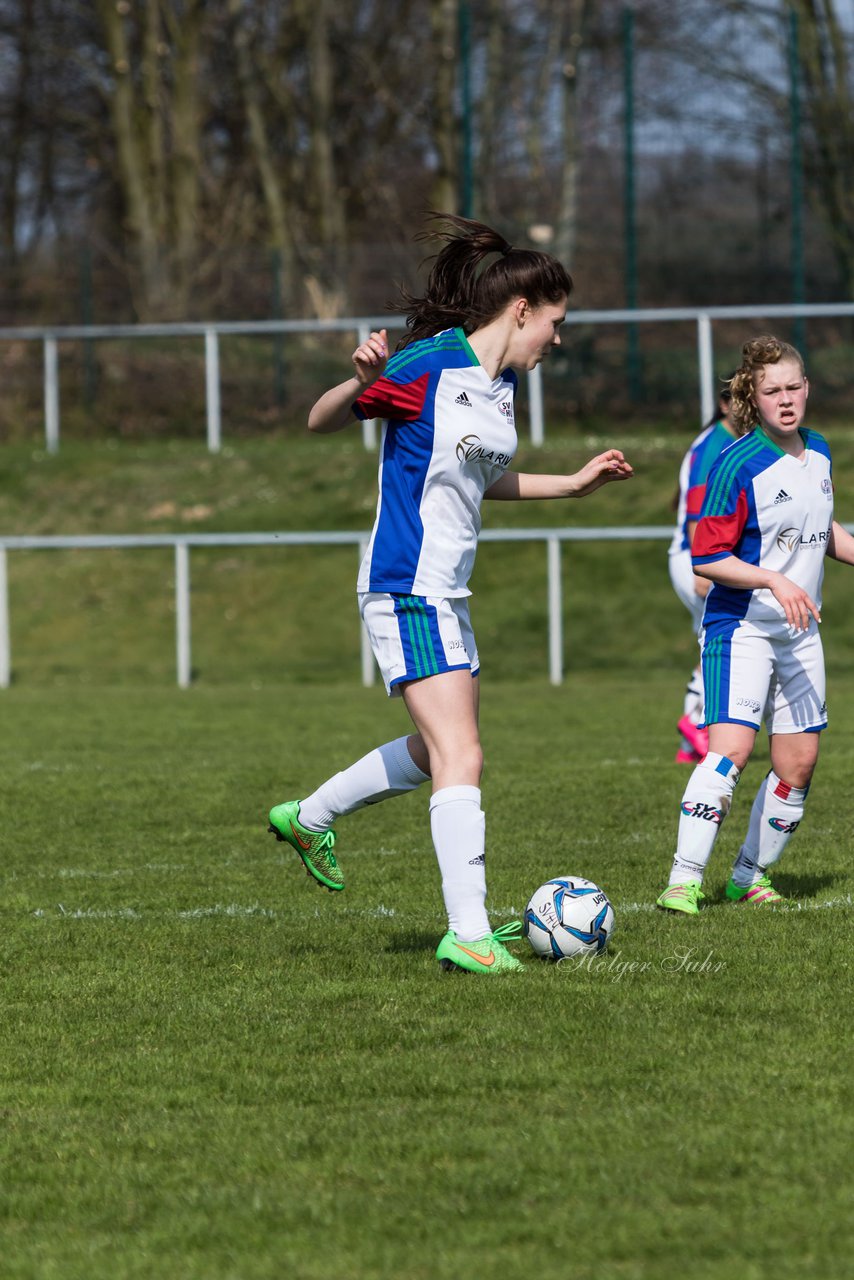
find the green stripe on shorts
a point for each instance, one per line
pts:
(423, 650)
(711, 679)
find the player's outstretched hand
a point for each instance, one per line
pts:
(795, 601)
(371, 357)
(605, 467)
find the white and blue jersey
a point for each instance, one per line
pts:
(775, 511)
(449, 434)
(693, 474)
(770, 509)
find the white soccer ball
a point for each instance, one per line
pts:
(569, 916)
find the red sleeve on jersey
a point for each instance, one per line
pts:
(387, 399)
(718, 536)
(695, 501)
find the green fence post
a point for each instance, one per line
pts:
(630, 225)
(90, 367)
(797, 183)
(278, 338)
(467, 157)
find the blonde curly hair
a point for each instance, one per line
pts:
(755, 354)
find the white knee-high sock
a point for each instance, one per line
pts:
(774, 819)
(459, 837)
(705, 805)
(387, 771)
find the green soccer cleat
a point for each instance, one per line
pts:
(314, 847)
(487, 955)
(682, 897)
(761, 894)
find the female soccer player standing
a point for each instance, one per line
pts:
(447, 395)
(691, 590)
(765, 527)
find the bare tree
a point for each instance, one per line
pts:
(746, 46)
(444, 24)
(323, 193)
(186, 136)
(153, 100)
(825, 51)
(19, 68)
(574, 31)
(489, 109)
(41, 157)
(272, 173)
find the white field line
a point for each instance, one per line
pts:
(232, 909)
(132, 913)
(792, 904)
(256, 911)
(81, 873)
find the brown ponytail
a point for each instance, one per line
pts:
(474, 276)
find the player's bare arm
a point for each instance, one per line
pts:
(798, 606)
(525, 486)
(334, 409)
(841, 544)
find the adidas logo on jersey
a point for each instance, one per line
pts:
(463, 399)
(782, 496)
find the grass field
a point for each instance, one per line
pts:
(211, 1069)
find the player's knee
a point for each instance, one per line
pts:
(795, 776)
(468, 759)
(795, 766)
(473, 758)
(458, 761)
(732, 753)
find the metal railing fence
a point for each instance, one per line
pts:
(211, 332)
(181, 545)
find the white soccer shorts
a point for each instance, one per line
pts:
(754, 674)
(417, 636)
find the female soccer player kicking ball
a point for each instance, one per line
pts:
(765, 527)
(447, 396)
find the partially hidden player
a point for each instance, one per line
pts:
(765, 528)
(691, 589)
(449, 438)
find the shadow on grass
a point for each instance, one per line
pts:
(790, 886)
(413, 940)
(806, 886)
